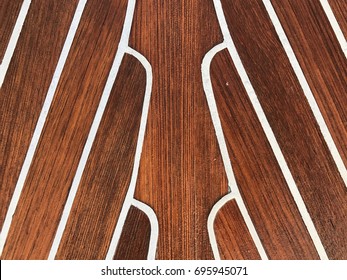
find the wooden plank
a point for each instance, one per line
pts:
(107, 174)
(233, 238)
(9, 11)
(26, 84)
(322, 60)
(260, 179)
(66, 129)
(340, 11)
(134, 240)
(181, 173)
(292, 121)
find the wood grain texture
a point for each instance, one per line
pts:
(181, 173)
(106, 177)
(322, 60)
(26, 84)
(292, 121)
(339, 8)
(260, 179)
(134, 240)
(66, 129)
(9, 11)
(233, 238)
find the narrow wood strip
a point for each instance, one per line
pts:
(260, 179)
(25, 87)
(233, 238)
(339, 8)
(181, 173)
(292, 121)
(107, 174)
(9, 11)
(322, 60)
(134, 240)
(66, 129)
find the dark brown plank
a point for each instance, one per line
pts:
(66, 129)
(181, 172)
(260, 179)
(9, 11)
(322, 60)
(107, 174)
(339, 8)
(26, 84)
(134, 240)
(292, 121)
(233, 238)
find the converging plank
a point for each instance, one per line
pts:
(26, 84)
(260, 179)
(181, 172)
(134, 241)
(292, 121)
(67, 126)
(107, 174)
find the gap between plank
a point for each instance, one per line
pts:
(335, 25)
(268, 132)
(13, 40)
(40, 123)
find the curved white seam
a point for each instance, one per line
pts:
(13, 40)
(40, 123)
(269, 133)
(210, 223)
(154, 227)
(95, 126)
(335, 25)
(307, 91)
(131, 190)
(207, 85)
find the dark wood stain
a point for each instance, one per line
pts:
(339, 8)
(9, 11)
(292, 121)
(134, 240)
(66, 129)
(181, 172)
(260, 179)
(322, 60)
(233, 238)
(107, 174)
(26, 84)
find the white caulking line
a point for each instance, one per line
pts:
(130, 194)
(40, 123)
(205, 69)
(269, 133)
(122, 47)
(13, 40)
(307, 91)
(154, 227)
(334, 24)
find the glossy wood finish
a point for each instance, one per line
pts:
(108, 171)
(9, 11)
(260, 179)
(292, 121)
(134, 240)
(26, 84)
(66, 129)
(233, 238)
(339, 8)
(181, 173)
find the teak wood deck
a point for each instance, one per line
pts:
(186, 129)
